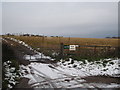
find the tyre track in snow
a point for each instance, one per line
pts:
(37, 79)
(47, 78)
(74, 79)
(53, 81)
(42, 85)
(56, 80)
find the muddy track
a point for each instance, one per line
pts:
(53, 82)
(47, 78)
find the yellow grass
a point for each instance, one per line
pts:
(54, 42)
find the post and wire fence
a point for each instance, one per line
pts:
(81, 51)
(90, 51)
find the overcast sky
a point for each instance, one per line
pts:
(0, 18)
(88, 20)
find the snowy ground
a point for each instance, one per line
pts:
(10, 74)
(67, 74)
(103, 67)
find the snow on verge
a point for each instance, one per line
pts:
(10, 74)
(32, 57)
(103, 67)
(36, 72)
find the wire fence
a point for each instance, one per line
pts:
(81, 51)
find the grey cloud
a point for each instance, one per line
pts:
(67, 19)
(0, 18)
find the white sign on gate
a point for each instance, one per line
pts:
(72, 47)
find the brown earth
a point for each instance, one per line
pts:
(102, 79)
(19, 51)
(23, 83)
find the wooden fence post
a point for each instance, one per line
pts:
(61, 50)
(69, 40)
(94, 49)
(30, 57)
(43, 39)
(109, 49)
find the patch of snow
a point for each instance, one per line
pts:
(113, 85)
(30, 57)
(36, 57)
(9, 86)
(10, 74)
(103, 85)
(55, 53)
(66, 70)
(3, 40)
(111, 68)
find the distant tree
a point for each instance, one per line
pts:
(37, 35)
(114, 37)
(108, 37)
(32, 35)
(51, 36)
(26, 34)
(8, 34)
